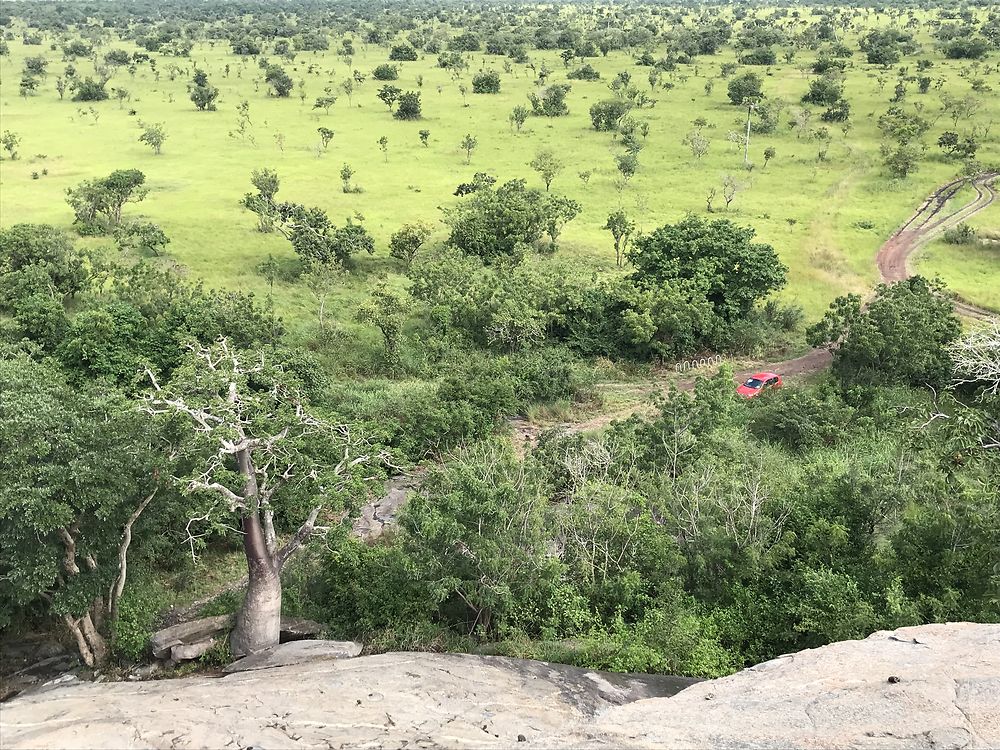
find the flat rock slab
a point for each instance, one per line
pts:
(295, 652)
(297, 629)
(390, 700)
(187, 633)
(947, 696)
(188, 651)
(932, 686)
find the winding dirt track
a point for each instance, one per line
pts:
(925, 224)
(928, 223)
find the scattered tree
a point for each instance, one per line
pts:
(731, 187)
(902, 161)
(346, 174)
(324, 103)
(203, 94)
(518, 116)
(628, 165)
(388, 95)
(622, 229)
(98, 203)
(321, 279)
(468, 145)
(325, 136)
(153, 135)
(386, 311)
(10, 142)
(407, 241)
(142, 236)
(548, 166)
(745, 89)
(280, 82)
(697, 142)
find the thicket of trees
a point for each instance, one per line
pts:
(716, 533)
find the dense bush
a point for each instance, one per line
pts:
(408, 106)
(683, 544)
(385, 72)
(487, 82)
(760, 56)
(402, 53)
(963, 234)
(607, 115)
(552, 101)
(902, 336)
(89, 90)
(584, 73)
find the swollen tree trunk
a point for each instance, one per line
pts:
(258, 623)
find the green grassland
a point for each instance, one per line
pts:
(825, 219)
(972, 269)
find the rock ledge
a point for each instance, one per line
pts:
(934, 686)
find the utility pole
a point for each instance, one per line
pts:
(746, 146)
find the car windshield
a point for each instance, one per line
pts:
(754, 383)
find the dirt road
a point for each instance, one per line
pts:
(925, 224)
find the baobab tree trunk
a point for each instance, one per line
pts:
(258, 623)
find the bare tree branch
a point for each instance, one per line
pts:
(976, 356)
(304, 532)
(235, 501)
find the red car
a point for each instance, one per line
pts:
(759, 382)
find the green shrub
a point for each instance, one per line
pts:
(550, 374)
(487, 82)
(963, 234)
(138, 617)
(385, 72)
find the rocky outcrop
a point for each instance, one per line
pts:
(189, 640)
(935, 686)
(194, 638)
(295, 652)
(298, 629)
(32, 662)
(380, 513)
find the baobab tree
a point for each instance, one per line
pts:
(255, 448)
